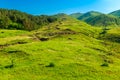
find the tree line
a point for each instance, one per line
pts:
(14, 19)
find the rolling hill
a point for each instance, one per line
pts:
(99, 19)
(66, 49)
(89, 15)
(104, 20)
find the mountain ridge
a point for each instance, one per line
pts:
(115, 13)
(96, 18)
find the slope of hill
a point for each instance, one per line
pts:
(100, 19)
(115, 13)
(104, 20)
(67, 49)
(89, 15)
(63, 48)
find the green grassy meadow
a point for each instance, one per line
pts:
(67, 50)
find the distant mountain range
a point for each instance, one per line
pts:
(99, 19)
(14, 19)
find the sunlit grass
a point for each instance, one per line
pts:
(81, 56)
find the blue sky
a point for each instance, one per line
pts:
(37, 7)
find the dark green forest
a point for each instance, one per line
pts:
(14, 19)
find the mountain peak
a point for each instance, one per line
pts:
(115, 13)
(89, 14)
(76, 15)
(93, 13)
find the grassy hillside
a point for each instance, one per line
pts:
(89, 15)
(104, 20)
(67, 49)
(99, 19)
